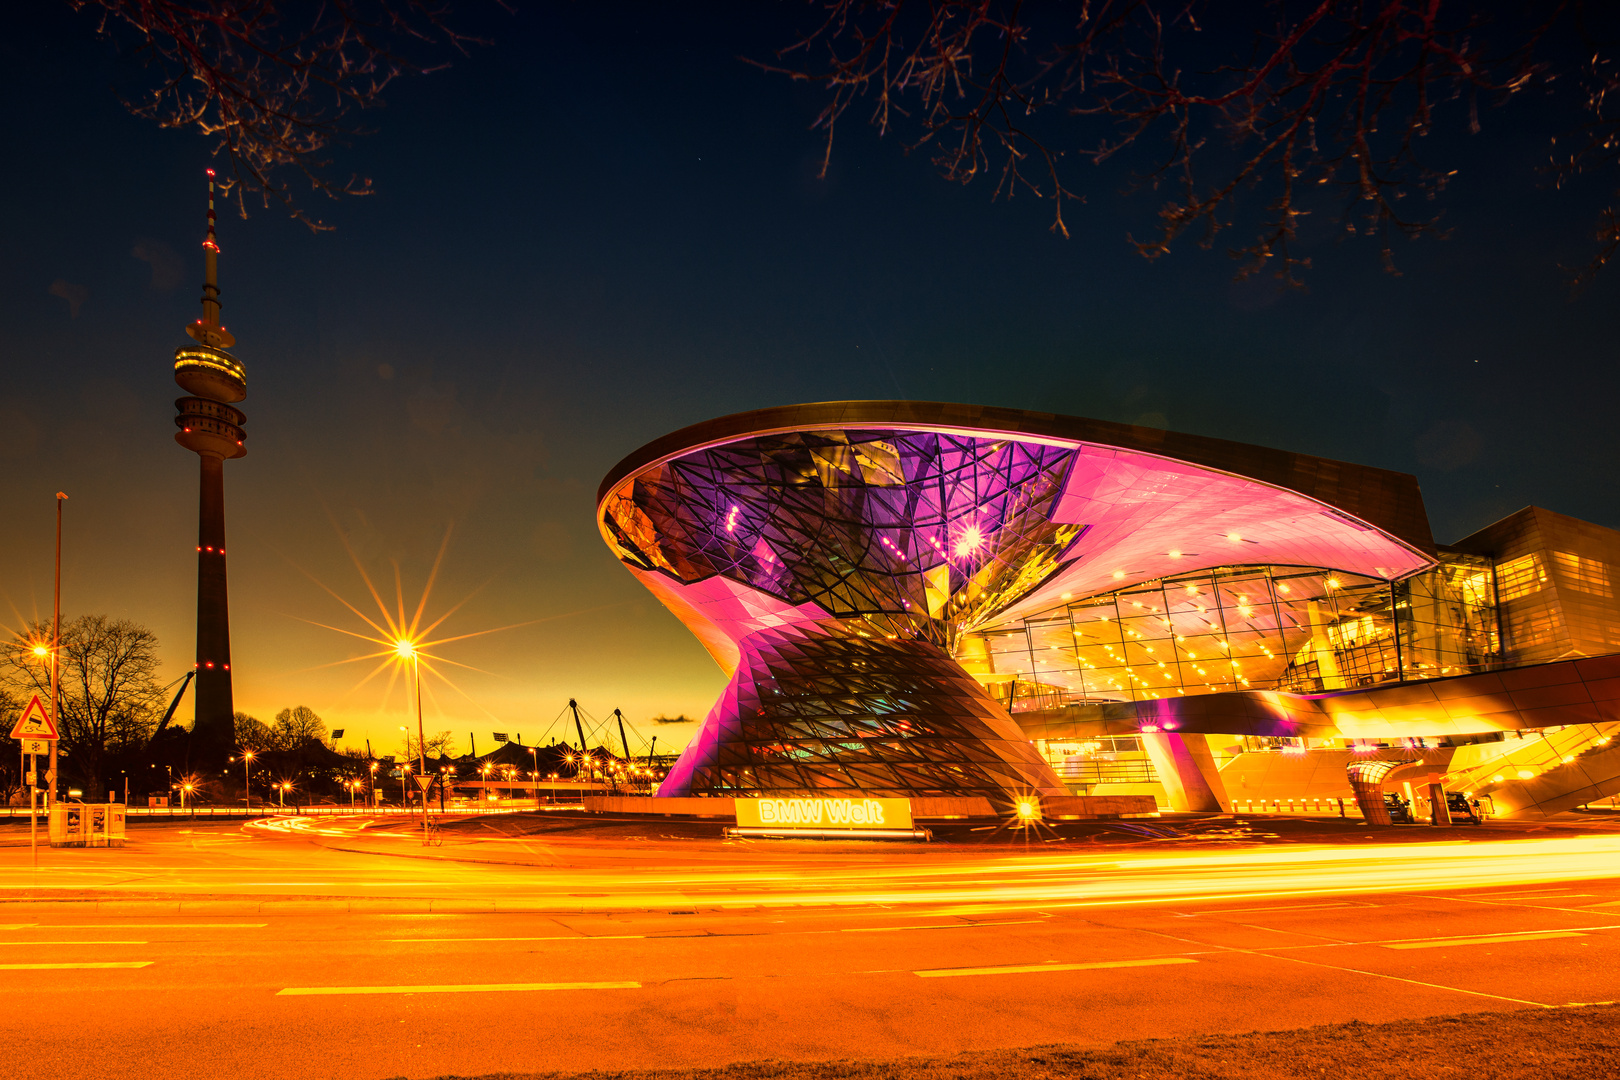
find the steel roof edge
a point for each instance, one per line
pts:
(1391, 501)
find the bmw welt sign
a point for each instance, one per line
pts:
(824, 813)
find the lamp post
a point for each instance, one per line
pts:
(371, 791)
(56, 652)
(247, 781)
(404, 771)
(407, 651)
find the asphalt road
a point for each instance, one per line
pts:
(769, 952)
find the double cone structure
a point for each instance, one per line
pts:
(850, 566)
(211, 428)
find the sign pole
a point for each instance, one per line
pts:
(33, 816)
(33, 730)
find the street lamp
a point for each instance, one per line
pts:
(371, 792)
(406, 650)
(247, 780)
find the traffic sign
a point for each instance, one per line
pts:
(423, 782)
(36, 746)
(35, 722)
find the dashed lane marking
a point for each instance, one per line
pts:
(1493, 939)
(73, 967)
(452, 988)
(1023, 969)
(143, 926)
(937, 926)
(557, 937)
(100, 942)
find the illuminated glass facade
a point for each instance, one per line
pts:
(887, 583)
(1245, 627)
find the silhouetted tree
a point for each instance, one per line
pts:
(253, 734)
(109, 697)
(296, 726)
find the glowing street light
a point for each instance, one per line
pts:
(247, 779)
(405, 649)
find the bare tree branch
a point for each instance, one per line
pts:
(276, 83)
(1327, 105)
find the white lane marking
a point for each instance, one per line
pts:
(1298, 907)
(1019, 969)
(144, 926)
(1539, 894)
(560, 937)
(1493, 939)
(936, 926)
(18, 926)
(102, 942)
(452, 988)
(88, 964)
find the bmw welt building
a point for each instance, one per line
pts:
(915, 599)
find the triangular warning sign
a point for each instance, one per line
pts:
(35, 722)
(423, 782)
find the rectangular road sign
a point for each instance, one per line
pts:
(36, 746)
(825, 813)
(35, 722)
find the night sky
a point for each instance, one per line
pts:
(606, 226)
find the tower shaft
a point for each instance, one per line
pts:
(214, 731)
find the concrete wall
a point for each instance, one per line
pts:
(647, 804)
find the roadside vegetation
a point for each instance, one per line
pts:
(1576, 1043)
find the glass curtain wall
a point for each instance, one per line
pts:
(1239, 628)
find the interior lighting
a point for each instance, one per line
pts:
(1282, 587)
(1234, 537)
(1118, 574)
(1174, 554)
(1333, 583)
(970, 540)
(1525, 774)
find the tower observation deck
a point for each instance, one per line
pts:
(212, 428)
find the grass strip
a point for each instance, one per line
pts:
(1572, 1043)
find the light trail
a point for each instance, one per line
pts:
(731, 875)
(596, 875)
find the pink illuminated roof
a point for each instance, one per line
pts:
(1139, 505)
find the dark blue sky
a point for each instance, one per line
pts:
(604, 227)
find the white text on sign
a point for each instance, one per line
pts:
(825, 813)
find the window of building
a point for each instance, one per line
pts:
(1583, 575)
(1520, 577)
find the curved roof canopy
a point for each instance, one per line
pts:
(930, 519)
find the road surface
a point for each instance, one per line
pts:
(678, 957)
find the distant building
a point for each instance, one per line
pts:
(923, 599)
